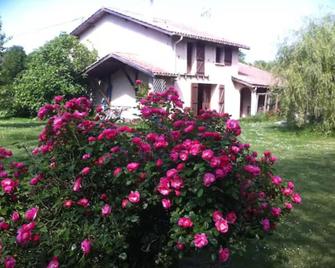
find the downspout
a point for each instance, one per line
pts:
(174, 50)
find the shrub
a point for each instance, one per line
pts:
(108, 195)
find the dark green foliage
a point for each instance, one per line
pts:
(307, 65)
(53, 69)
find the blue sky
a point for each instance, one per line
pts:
(261, 24)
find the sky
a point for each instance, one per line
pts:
(261, 24)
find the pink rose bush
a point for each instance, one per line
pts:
(98, 193)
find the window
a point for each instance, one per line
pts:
(228, 55)
(218, 55)
(189, 57)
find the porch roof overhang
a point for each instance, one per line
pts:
(245, 82)
(111, 62)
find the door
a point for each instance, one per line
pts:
(200, 59)
(204, 97)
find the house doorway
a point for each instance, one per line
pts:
(201, 97)
(245, 103)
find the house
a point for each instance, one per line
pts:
(203, 67)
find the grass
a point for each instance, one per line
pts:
(17, 132)
(307, 239)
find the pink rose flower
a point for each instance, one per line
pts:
(177, 183)
(134, 197)
(171, 173)
(185, 222)
(217, 215)
(15, 216)
(58, 99)
(86, 246)
(4, 226)
(233, 126)
(208, 179)
(231, 217)
(9, 262)
(166, 203)
(54, 263)
(31, 214)
(77, 184)
(86, 156)
(276, 180)
(266, 225)
(253, 170)
(224, 254)
(68, 203)
(85, 171)
(222, 226)
(276, 212)
(8, 185)
(200, 240)
(106, 210)
(84, 202)
(288, 205)
(290, 185)
(207, 155)
(180, 246)
(133, 166)
(124, 203)
(296, 198)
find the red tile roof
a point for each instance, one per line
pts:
(253, 76)
(162, 25)
(132, 60)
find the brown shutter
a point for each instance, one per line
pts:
(194, 98)
(228, 55)
(200, 59)
(221, 98)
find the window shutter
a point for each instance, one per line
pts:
(200, 59)
(221, 98)
(194, 98)
(228, 55)
(189, 57)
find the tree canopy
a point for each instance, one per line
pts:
(306, 62)
(53, 69)
(13, 62)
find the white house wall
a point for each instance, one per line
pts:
(218, 75)
(113, 34)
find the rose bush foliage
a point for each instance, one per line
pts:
(99, 194)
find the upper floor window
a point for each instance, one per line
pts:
(219, 55)
(228, 55)
(189, 57)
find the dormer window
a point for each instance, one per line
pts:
(219, 55)
(228, 55)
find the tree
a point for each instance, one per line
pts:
(241, 56)
(2, 40)
(307, 65)
(13, 62)
(53, 69)
(265, 65)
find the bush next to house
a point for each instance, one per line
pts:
(106, 195)
(53, 69)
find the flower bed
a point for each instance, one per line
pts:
(102, 194)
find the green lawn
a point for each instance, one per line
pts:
(307, 239)
(19, 132)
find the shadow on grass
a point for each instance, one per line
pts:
(307, 237)
(21, 124)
